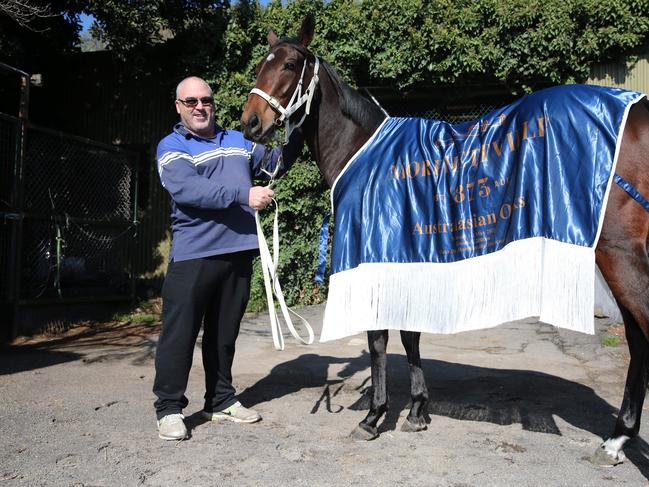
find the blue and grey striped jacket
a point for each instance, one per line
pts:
(209, 181)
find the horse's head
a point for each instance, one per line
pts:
(286, 82)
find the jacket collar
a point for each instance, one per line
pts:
(180, 129)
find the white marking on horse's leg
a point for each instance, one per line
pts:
(614, 445)
(613, 450)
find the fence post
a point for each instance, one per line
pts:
(135, 184)
(23, 110)
(15, 251)
(15, 242)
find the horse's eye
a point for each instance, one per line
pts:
(289, 66)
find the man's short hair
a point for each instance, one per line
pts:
(188, 78)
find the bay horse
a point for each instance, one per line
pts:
(336, 121)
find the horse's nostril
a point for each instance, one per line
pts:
(253, 123)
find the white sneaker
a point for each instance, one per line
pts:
(236, 413)
(172, 427)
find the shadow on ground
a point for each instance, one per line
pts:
(101, 343)
(463, 392)
(27, 358)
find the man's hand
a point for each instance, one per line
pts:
(260, 197)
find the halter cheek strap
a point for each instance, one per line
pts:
(295, 103)
(272, 101)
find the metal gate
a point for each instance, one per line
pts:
(67, 223)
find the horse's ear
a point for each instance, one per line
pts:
(306, 31)
(271, 37)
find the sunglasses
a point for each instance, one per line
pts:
(192, 102)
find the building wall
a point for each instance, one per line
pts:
(631, 76)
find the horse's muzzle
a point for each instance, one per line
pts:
(253, 129)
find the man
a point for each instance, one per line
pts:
(208, 173)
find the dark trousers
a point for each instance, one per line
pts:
(213, 291)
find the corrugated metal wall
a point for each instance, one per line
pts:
(632, 76)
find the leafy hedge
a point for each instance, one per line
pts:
(411, 43)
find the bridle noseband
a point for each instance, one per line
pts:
(295, 103)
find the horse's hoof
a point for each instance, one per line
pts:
(364, 433)
(605, 458)
(419, 424)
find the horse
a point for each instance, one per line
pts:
(336, 122)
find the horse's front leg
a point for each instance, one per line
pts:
(378, 343)
(418, 391)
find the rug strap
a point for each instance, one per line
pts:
(631, 191)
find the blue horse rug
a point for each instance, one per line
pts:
(446, 228)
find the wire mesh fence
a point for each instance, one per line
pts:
(66, 176)
(68, 216)
(65, 259)
(458, 115)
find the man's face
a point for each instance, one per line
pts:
(195, 106)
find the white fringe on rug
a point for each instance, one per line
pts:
(536, 277)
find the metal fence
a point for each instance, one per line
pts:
(9, 138)
(444, 103)
(67, 219)
(463, 114)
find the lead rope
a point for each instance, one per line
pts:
(271, 280)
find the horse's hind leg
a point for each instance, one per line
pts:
(624, 264)
(418, 391)
(366, 429)
(628, 421)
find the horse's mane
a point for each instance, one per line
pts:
(352, 104)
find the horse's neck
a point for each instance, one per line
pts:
(332, 137)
